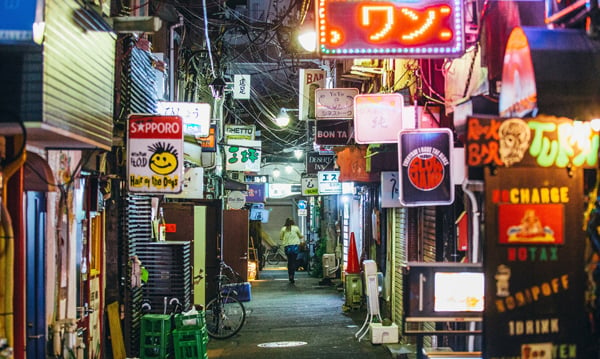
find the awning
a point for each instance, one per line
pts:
(553, 72)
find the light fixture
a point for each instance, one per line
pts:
(308, 40)
(306, 32)
(283, 119)
(289, 169)
(276, 172)
(298, 154)
(217, 87)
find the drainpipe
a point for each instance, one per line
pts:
(172, 58)
(12, 326)
(468, 187)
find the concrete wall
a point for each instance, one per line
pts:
(279, 210)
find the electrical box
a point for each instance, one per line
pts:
(369, 267)
(329, 267)
(383, 333)
(371, 286)
(353, 290)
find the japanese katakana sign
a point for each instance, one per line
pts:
(329, 182)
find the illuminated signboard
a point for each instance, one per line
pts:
(154, 153)
(196, 116)
(425, 28)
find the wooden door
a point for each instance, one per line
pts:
(235, 241)
(196, 222)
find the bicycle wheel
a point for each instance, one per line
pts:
(224, 317)
(272, 257)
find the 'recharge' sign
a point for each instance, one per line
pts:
(154, 153)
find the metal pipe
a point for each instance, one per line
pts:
(172, 58)
(474, 248)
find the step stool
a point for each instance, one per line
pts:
(155, 336)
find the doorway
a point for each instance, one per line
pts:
(36, 281)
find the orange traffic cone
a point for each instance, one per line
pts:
(353, 267)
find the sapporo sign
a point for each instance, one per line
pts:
(154, 153)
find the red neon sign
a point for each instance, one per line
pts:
(390, 28)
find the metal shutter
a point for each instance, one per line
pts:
(428, 229)
(79, 67)
(396, 218)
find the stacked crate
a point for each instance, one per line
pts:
(137, 229)
(155, 336)
(169, 274)
(190, 336)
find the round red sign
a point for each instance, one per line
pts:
(426, 171)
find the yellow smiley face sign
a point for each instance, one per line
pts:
(155, 153)
(164, 158)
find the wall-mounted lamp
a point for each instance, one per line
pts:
(306, 32)
(217, 87)
(307, 38)
(283, 119)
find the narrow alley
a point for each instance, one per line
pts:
(301, 320)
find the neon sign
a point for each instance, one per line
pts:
(350, 28)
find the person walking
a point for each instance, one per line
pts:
(291, 237)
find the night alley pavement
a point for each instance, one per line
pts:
(301, 312)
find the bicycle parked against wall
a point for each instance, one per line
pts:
(225, 314)
(275, 255)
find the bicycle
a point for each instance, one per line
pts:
(225, 314)
(275, 255)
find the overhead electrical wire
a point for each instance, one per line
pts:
(253, 46)
(207, 39)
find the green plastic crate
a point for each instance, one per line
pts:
(190, 343)
(155, 336)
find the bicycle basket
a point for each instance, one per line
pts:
(241, 291)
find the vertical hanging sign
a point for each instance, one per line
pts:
(389, 189)
(241, 87)
(424, 165)
(310, 81)
(154, 153)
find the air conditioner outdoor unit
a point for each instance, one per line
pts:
(329, 267)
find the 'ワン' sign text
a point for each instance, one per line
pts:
(422, 28)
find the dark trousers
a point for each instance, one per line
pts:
(291, 265)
